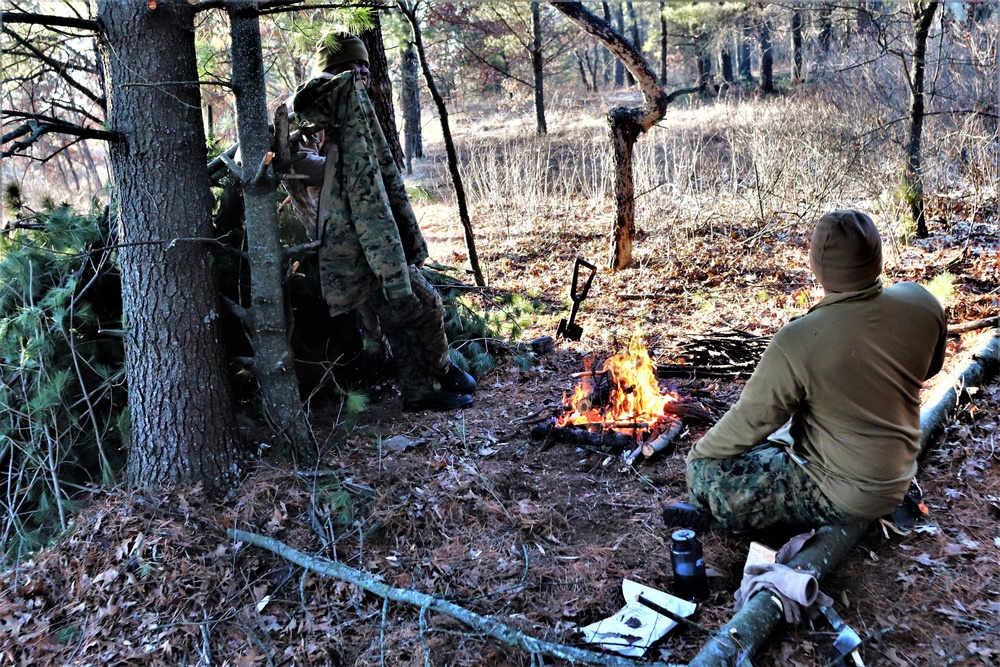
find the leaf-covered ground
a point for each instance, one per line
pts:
(466, 506)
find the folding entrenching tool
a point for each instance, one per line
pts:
(846, 642)
(569, 329)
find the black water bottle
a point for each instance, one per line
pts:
(690, 580)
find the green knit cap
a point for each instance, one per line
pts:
(846, 251)
(340, 48)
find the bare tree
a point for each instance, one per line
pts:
(923, 17)
(273, 360)
(537, 64)
(626, 124)
(796, 45)
(380, 87)
(409, 10)
(766, 56)
(410, 98)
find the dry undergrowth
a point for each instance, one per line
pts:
(466, 506)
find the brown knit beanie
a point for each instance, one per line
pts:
(340, 48)
(846, 251)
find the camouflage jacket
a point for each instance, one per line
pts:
(366, 226)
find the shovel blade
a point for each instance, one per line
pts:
(567, 330)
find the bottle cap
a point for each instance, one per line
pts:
(683, 535)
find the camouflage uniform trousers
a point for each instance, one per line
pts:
(414, 325)
(760, 488)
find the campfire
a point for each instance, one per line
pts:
(620, 406)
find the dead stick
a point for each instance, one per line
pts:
(963, 327)
(584, 374)
(657, 444)
(663, 611)
(484, 624)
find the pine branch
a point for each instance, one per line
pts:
(51, 21)
(36, 128)
(60, 68)
(484, 624)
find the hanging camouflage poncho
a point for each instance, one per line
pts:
(366, 226)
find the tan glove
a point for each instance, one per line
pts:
(796, 589)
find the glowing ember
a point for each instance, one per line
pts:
(635, 403)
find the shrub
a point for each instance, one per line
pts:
(61, 380)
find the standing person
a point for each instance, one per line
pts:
(371, 248)
(844, 379)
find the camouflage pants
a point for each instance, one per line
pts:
(414, 326)
(761, 488)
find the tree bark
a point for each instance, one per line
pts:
(409, 10)
(726, 57)
(273, 359)
(605, 53)
(796, 46)
(625, 124)
(619, 66)
(663, 42)
(410, 94)
(825, 20)
(923, 16)
(183, 425)
(380, 88)
(743, 53)
(766, 57)
(537, 67)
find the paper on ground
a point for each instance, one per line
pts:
(635, 627)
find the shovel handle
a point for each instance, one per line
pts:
(579, 295)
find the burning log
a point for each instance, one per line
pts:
(662, 443)
(573, 435)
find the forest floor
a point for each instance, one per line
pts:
(467, 507)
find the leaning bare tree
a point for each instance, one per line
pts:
(626, 123)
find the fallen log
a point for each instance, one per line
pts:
(747, 630)
(486, 625)
(973, 325)
(981, 370)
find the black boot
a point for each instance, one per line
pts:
(440, 400)
(457, 381)
(682, 515)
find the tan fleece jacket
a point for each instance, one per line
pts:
(848, 373)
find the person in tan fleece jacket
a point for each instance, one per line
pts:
(827, 429)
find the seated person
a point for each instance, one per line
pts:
(845, 380)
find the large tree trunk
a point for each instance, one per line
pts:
(273, 360)
(380, 88)
(183, 423)
(626, 124)
(766, 57)
(796, 46)
(536, 67)
(410, 94)
(409, 11)
(923, 16)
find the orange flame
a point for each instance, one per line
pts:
(635, 402)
